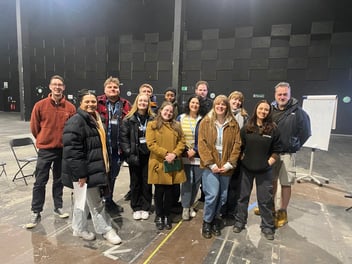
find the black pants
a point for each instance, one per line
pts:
(46, 158)
(264, 185)
(141, 191)
(233, 194)
(163, 199)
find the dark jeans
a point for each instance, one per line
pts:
(264, 185)
(163, 199)
(141, 191)
(233, 194)
(115, 165)
(47, 158)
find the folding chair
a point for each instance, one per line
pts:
(25, 153)
(3, 171)
(348, 196)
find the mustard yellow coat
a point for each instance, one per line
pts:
(160, 142)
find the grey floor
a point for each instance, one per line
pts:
(319, 228)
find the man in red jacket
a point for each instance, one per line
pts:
(112, 109)
(47, 122)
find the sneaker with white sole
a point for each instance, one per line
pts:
(192, 212)
(34, 221)
(60, 213)
(112, 237)
(185, 214)
(137, 215)
(85, 235)
(144, 215)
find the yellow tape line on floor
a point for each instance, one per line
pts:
(162, 243)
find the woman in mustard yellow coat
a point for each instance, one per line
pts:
(166, 143)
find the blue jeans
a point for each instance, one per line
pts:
(215, 188)
(190, 187)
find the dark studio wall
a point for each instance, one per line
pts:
(233, 44)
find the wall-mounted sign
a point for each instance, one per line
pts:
(258, 96)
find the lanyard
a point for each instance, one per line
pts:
(142, 127)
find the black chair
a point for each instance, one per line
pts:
(2, 165)
(25, 153)
(348, 196)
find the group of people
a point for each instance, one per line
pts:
(212, 144)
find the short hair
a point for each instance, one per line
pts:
(202, 82)
(112, 80)
(284, 84)
(146, 85)
(57, 77)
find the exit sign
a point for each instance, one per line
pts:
(184, 88)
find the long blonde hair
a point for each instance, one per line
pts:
(134, 107)
(228, 115)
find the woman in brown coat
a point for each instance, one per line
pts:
(219, 145)
(166, 143)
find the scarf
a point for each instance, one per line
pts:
(102, 135)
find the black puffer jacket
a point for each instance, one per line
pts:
(129, 140)
(82, 153)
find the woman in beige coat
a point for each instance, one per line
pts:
(166, 143)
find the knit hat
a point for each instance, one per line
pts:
(170, 89)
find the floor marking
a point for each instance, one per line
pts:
(162, 242)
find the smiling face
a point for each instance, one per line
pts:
(235, 103)
(167, 113)
(262, 111)
(89, 103)
(142, 103)
(220, 108)
(194, 105)
(57, 87)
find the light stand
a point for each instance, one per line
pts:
(310, 176)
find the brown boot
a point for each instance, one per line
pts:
(280, 218)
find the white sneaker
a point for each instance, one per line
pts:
(137, 215)
(144, 215)
(192, 212)
(112, 237)
(85, 235)
(185, 214)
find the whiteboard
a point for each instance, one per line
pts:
(322, 111)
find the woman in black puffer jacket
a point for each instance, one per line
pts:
(136, 152)
(85, 165)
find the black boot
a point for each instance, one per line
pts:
(168, 222)
(206, 230)
(215, 227)
(159, 222)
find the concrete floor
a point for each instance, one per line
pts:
(319, 228)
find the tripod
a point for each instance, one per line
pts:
(310, 176)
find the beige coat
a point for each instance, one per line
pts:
(160, 142)
(231, 144)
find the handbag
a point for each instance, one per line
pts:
(171, 167)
